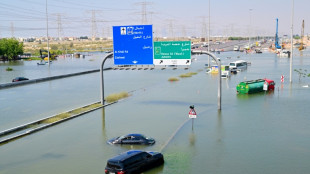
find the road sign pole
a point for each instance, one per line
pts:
(219, 94)
(102, 77)
(192, 124)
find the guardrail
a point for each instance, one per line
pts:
(29, 128)
(26, 82)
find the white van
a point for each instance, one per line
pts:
(236, 48)
(225, 71)
(239, 65)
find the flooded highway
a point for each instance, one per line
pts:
(258, 133)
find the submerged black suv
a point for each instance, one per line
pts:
(133, 161)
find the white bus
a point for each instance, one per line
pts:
(239, 65)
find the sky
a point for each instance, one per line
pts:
(170, 18)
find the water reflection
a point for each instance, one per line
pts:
(255, 95)
(132, 147)
(219, 145)
(290, 88)
(275, 64)
(12, 63)
(226, 81)
(156, 170)
(192, 138)
(301, 55)
(171, 102)
(104, 135)
(219, 129)
(52, 156)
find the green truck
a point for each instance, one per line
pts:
(253, 86)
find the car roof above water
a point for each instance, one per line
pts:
(124, 156)
(136, 135)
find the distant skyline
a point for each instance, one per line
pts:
(75, 18)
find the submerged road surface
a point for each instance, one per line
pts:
(253, 133)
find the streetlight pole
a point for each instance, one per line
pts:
(48, 46)
(250, 28)
(291, 58)
(102, 77)
(209, 36)
(218, 62)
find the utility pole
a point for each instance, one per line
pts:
(48, 44)
(301, 47)
(94, 25)
(209, 36)
(151, 17)
(144, 19)
(144, 11)
(250, 28)
(109, 32)
(232, 30)
(94, 21)
(59, 24)
(291, 59)
(171, 28)
(204, 28)
(184, 31)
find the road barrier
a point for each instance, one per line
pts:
(26, 82)
(32, 127)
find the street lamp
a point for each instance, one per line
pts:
(291, 59)
(102, 77)
(218, 62)
(48, 46)
(209, 36)
(250, 28)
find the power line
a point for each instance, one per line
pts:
(59, 24)
(204, 27)
(144, 11)
(171, 32)
(94, 23)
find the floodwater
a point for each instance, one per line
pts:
(259, 133)
(31, 70)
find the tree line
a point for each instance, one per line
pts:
(10, 49)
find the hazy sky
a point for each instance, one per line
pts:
(27, 18)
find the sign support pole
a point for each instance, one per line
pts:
(192, 123)
(102, 79)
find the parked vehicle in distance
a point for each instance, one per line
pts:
(133, 161)
(214, 69)
(240, 65)
(284, 53)
(225, 71)
(132, 139)
(233, 71)
(18, 79)
(236, 48)
(258, 50)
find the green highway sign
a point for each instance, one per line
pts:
(172, 53)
